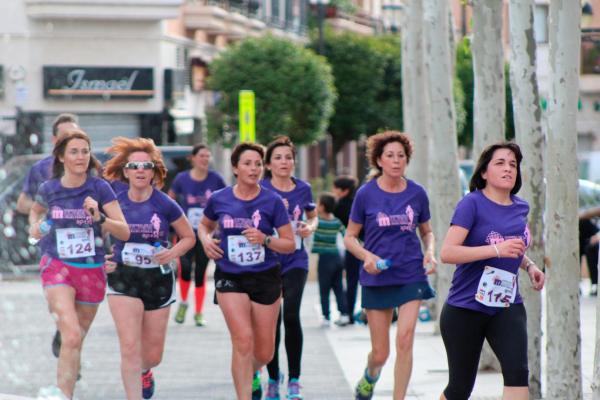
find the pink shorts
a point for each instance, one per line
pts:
(89, 283)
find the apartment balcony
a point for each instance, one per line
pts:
(357, 23)
(103, 10)
(232, 19)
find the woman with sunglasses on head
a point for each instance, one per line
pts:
(192, 189)
(487, 240)
(248, 275)
(142, 283)
(394, 212)
(297, 197)
(68, 216)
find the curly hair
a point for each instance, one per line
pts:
(376, 143)
(477, 181)
(279, 141)
(58, 167)
(122, 148)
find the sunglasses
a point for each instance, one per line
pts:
(139, 165)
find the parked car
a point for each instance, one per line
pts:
(15, 248)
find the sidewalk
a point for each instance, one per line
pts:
(196, 360)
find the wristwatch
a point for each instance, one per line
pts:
(267, 240)
(102, 218)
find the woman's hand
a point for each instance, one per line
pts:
(370, 262)
(511, 248)
(165, 256)
(211, 248)
(254, 236)
(429, 262)
(109, 265)
(34, 230)
(303, 230)
(536, 276)
(91, 207)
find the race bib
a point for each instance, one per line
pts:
(297, 237)
(75, 242)
(139, 255)
(497, 288)
(241, 252)
(194, 215)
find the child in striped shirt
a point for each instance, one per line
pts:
(330, 266)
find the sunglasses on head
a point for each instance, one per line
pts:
(139, 165)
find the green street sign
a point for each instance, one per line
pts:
(246, 106)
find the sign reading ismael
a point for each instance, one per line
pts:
(102, 82)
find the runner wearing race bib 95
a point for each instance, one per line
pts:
(192, 189)
(142, 286)
(248, 276)
(78, 206)
(487, 240)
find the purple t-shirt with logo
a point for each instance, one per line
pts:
(488, 223)
(148, 221)
(265, 212)
(299, 200)
(65, 209)
(193, 194)
(39, 173)
(390, 222)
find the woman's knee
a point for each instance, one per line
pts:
(243, 343)
(516, 376)
(404, 340)
(379, 356)
(71, 337)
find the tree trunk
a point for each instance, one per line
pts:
(528, 131)
(488, 99)
(596, 372)
(414, 96)
(562, 292)
(488, 68)
(444, 187)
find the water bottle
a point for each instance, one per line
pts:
(165, 269)
(424, 314)
(383, 264)
(45, 227)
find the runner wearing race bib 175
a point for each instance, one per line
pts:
(78, 207)
(192, 189)
(248, 275)
(487, 240)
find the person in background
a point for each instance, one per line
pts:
(68, 217)
(330, 267)
(248, 273)
(297, 197)
(141, 283)
(588, 245)
(343, 189)
(391, 209)
(192, 189)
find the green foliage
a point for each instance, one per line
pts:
(509, 124)
(293, 88)
(464, 74)
(367, 77)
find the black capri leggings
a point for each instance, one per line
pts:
(463, 332)
(195, 256)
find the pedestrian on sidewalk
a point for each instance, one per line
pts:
(39, 173)
(391, 208)
(68, 216)
(297, 198)
(343, 189)
(330, 267)
(192, 189)
(141, 281)
(487, 241)
(248, 274)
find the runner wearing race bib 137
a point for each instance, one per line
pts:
(487, 240)
(192, 189)
(248, 276)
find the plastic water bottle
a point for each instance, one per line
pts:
(383, 264)
(424, 314)
(165, 269)
(45, 227)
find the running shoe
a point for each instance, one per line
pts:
(180, 314)
(364, 388)
(343, 320)
(51, 393)
(273, 388)
(294, 389)
(147, 384)
(256, 387)
(199, 319)
(56, 344)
